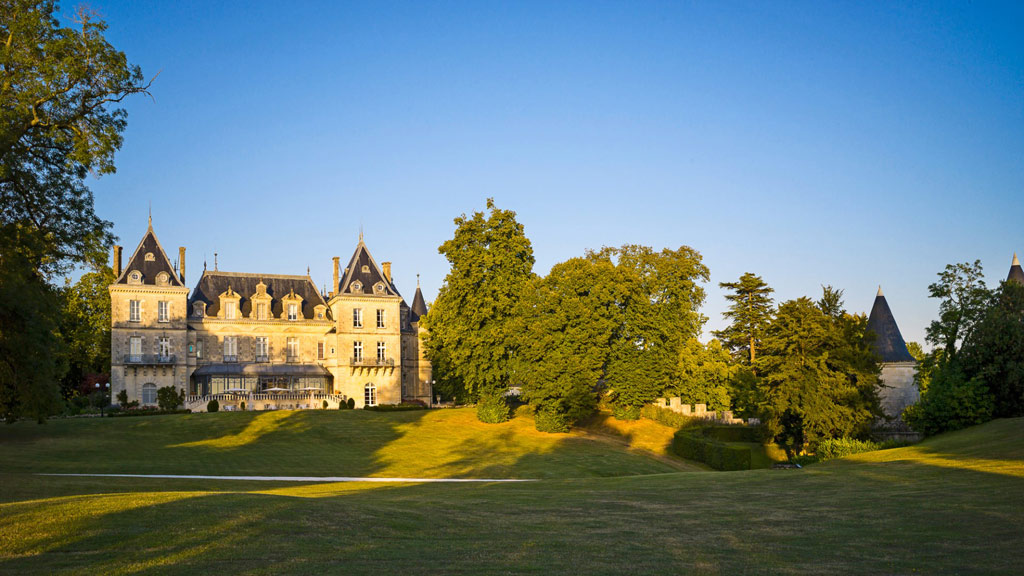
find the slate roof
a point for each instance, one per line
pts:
(889, 343)
(419, 307)
(367, 278)
(1016, 273)
(214, 282)
(150, 269)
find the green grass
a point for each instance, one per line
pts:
(953, 504)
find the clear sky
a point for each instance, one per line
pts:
(852, 144)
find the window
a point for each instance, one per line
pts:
(378, 288)
(199, 348)
(293, 349)
(357, 352)
(164, 347)
(229, 310)
(356, 287)
(293, 312)
(149, 393)
(163, 312)
(163, 279)
(262, 349)
(135, 310)
(365, 269)
(150, 257)
(380, 318)
(135, 349)
(135, 277)
(370, 395)
(261, 311)
(382, 352)
(319, 350)
(357, 317)
(230, 349)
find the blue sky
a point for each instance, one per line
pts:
(852, 144)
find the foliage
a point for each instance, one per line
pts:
(325, 405)
(703, 446)
(168, 398)
(995, 350)
(85, 327)
(750, 310)
(660, 300)
(403, 407)
(149, 411)
(842, 447)
(963, 299)
(951, 402)
(122, 398)
(212, 405)
(668, 417)
(492, 409)
(241, 406)
(817, 375)
(566, 325)
(351, 403)
(59, 88)
(916, 351)
(705, 373)
(470, 339)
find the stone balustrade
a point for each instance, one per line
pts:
(701, 411)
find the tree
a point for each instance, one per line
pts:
(85, 326)
(59, 122)
(994, 354)
(751, 312)
(470, 339)
(964, 298)
(168, 398)
(817, 375)
(568, 322)
(660, 299)
(704, 375)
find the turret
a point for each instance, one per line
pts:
(1016, 273)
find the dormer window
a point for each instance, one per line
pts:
(378, 288)
(150, 257)
(293, 312)
(135, 277)
(229, 310)
(199, 309)
(163, 279)
(365, 269)
(357, 286)
(261, 310)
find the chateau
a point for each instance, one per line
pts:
(265, 341)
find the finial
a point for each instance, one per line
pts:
(307, 270)
(417, 280)
(150, 214)
(880, 290)
(214, 260)
(360, 231)
(1015, 262)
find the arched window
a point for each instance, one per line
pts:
(149, 393)
(370, 396)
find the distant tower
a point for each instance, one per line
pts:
(1016, 273)
(898, 367)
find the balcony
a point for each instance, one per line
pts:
(293, 359)
(262, 358)
(372, 362)
(149, 359)
(230, 359)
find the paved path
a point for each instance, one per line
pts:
(298, 478)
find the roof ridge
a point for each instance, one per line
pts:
(257, 275)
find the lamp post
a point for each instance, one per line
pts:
(103, 395)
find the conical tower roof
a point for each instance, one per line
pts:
(889, 343)
(149, 260)
(419, 306)
(1016, 273)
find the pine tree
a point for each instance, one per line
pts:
(750, 312)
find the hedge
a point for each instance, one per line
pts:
(145, 412)
(705, 445)
(395, 407)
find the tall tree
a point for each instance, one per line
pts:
(470, 327)
(750, 311)
(85, 328)
(704, 375)
(59, 121)
(994, 354)
(963, 299)
(660, 298)
(569, 320)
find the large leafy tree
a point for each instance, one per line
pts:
(963, 299)
(750, 312)
(470, 326)
(660, 297)
(85, 328)
(569, 320)
(995, 352)
(705, 373)
(59, 122)
(817, 374)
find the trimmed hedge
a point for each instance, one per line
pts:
(721, 447)
(145, 412)
(395, 407)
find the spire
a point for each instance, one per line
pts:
(360, 232)
(417, 280)
(889, 343)
(150, 215)
(419, 306)
(1016, 272)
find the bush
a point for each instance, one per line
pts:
(148, 411)
(551, 420)
(122, 398)
(492, 409)
(325, 404)
(523, 411)
(950, 404)
(700, 445)
(842, 447)
(667, 417)
(168, 398)
(241, 406)
(351, 403)
(626, 412)
(212, 405)
(403, 407)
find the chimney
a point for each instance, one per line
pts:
(117, 261)
(336, 279)
(181, 261)
(387, 270)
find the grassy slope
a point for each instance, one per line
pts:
(954, 504)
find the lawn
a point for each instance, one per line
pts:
(608, 501)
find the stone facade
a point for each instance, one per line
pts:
(265, 340)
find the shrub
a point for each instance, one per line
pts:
(700, 445)
(524, 411)
(149, 411)
(492, 409)
(241, 406)
(626, 412)
(122, 398)
(950, 404)
(842, 447)
(403, 407)
(325, 404)
(351, 403)
(550, 420)
(168, 398)
(667, 417)
(212, 405)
